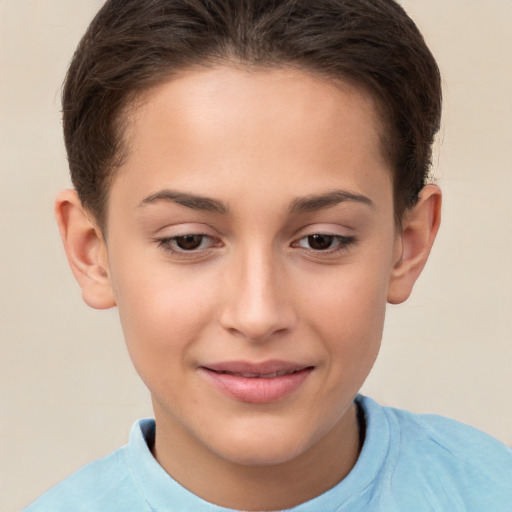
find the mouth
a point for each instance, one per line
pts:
(259, 375)
(256, 383)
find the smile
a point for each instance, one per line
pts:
(256, 383)
(260, 375)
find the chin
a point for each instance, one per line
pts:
(263, 446)
(264, 456)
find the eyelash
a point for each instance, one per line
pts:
(342, 243)
(166, 244)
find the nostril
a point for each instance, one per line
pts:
(257, 325)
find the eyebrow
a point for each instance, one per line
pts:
(318, 202)
(301, 205)
(195, 202)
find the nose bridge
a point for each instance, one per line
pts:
(257, 306)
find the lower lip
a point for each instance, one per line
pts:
(257, 390)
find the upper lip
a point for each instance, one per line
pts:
(252, 369)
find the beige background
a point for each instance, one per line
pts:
(68, 393)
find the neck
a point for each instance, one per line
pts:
(265, 487)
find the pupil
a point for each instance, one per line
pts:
(189, 242)
(320, 242)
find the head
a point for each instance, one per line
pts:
(251, 192)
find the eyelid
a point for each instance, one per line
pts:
(343, 239)
(165, 239)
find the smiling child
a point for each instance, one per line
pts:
(250, 192)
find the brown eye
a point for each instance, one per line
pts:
(320, 242)
(188, 245)
(325, 243)
(189, 242)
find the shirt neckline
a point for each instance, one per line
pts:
(160, 490)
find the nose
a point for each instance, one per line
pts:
(257, 305)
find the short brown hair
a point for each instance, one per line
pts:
(132, 45)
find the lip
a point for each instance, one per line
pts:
(256, 383)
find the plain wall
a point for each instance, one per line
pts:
(68, 392)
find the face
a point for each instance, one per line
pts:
(251, 239)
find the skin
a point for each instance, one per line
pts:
(259, 145)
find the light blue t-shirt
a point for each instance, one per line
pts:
(409, 463)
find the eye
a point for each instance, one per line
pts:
(318, 242)
(190, 242)
(325, 242)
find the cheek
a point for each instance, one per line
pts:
(162, 313)
(351, 301)
(347, 313)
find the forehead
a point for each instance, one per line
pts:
(224, 94)
(225, 123)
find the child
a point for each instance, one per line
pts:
(251, 190)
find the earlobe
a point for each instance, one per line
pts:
(419, 230)
(85, 249)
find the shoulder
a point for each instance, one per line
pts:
(426, 451)
(106, 484)
(450, 439)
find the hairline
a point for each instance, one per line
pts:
(135, 99)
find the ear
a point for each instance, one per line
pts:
(85, 249)
(419, 230)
